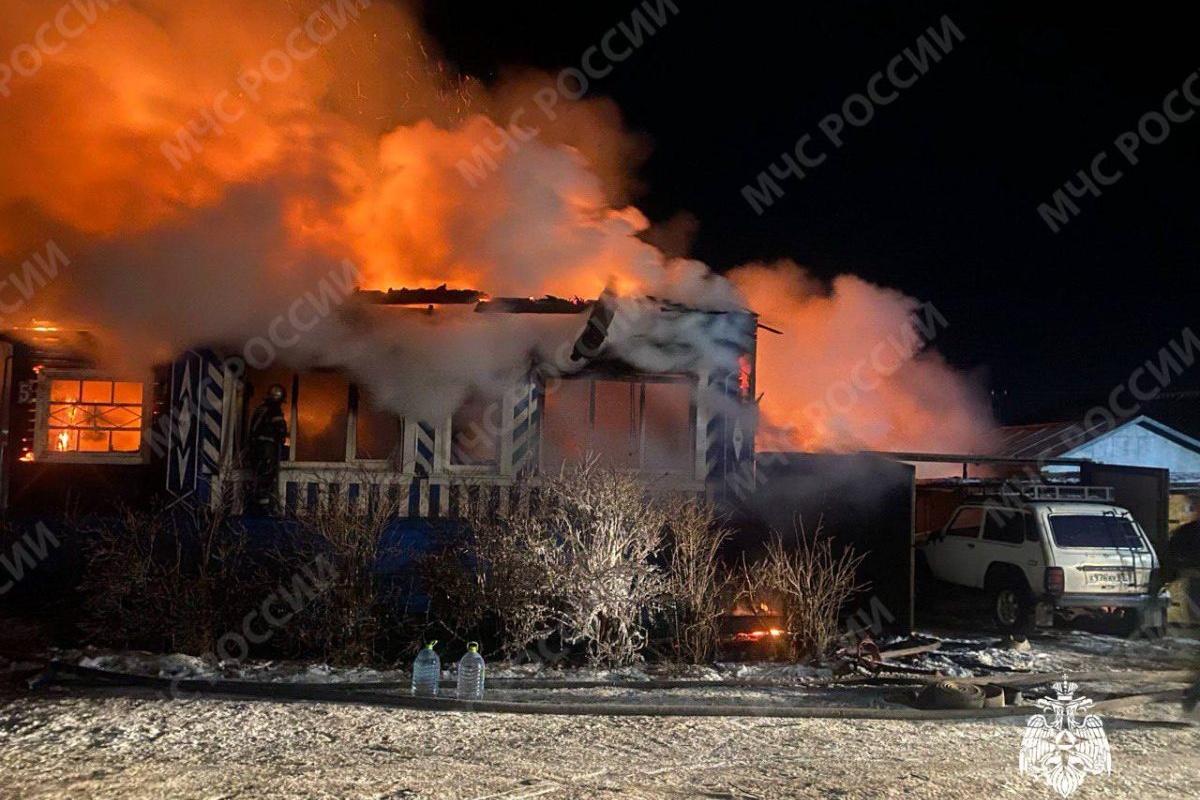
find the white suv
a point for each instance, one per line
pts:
(1037, 556)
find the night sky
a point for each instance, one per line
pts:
(937, 196)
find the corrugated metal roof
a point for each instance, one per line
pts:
(1054, 439)
(1047, 440)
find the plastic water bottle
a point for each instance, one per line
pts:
(427, 671)
(470, 674)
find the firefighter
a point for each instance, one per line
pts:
(267, 439)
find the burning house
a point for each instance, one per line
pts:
(645, 385)
(199, 239)
(199, 266)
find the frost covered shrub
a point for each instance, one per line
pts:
(812, 585)
(575, 560)
(193, 579)
(698, 586)
(599, 536)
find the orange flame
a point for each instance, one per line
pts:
(751, 637)
(230, 202)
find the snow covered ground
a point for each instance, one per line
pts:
(1050, 651)
(118, 743)
(122, 744)
(1059, 650)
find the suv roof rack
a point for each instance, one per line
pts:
(1027, 490)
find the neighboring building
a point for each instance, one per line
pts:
(1138, 442)
(76, 435)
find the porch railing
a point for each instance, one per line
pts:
(303, 487)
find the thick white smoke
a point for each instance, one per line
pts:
(204, 177)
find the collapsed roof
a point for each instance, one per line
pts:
(675, 333)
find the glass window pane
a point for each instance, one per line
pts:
(322, 410)
(667, 443)
(378, 433)
(62, 441)
(1004, 525)
(126, 441)
(64, 416)
(1088, 530)
(64, 391)
(565, 423)
(97, 391)
(117, 417)
(82, 415)
(127, 392)
(614, 434)
(967, 523)
(475, 432)
(91, 441)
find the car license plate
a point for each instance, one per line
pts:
(1108, 577)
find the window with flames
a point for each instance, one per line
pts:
(94, 416)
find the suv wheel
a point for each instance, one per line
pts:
(1011, 608)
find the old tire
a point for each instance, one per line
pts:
(950, 694)
(1012, 608)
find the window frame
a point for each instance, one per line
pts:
(402, 463)
(950, 529)
(1103, 519)
(405, 461)
(992, 512)
(687, 380)
(399, 457)
(444, 444)
(41, 427)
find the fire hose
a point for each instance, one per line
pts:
(373, 694)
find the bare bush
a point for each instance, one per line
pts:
(755, 597)
(492, 576)
(698, 587)
(183, 577)
(168, 578)
(812, 585)
(343, 621)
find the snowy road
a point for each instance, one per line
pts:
(92, 744)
